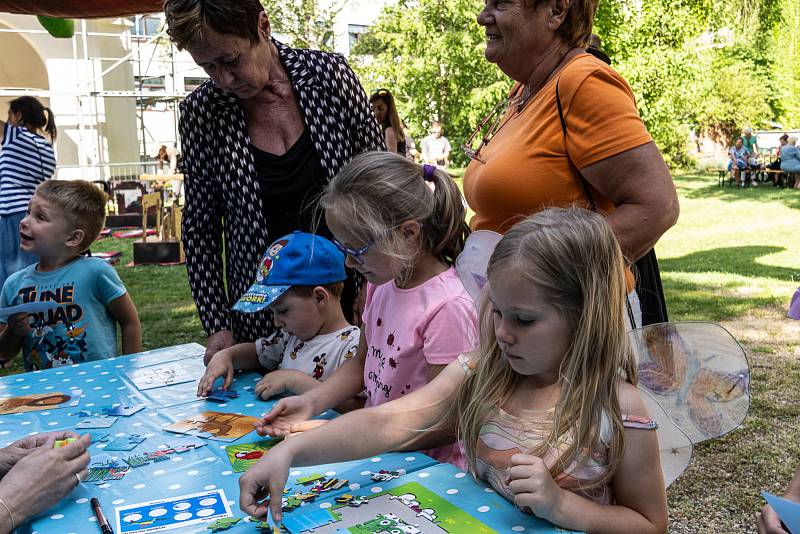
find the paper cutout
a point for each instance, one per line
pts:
(223, 524)
(215, 425)
(243, 456)
(788, 511)
(28, 307)
(39, 402)
(97, 422)
(156, 376)
(179, 446)
(172, 513)
(99, 436)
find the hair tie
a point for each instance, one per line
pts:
(427, 172)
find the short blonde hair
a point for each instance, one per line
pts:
(792, 140)
(82, 203)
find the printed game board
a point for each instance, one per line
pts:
(172, 513)
(156, 376)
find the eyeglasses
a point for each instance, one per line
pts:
(487, 129)
(356, 253)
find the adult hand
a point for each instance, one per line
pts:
(768, 521)
(12, 454)
(266, 478)
(275, 383)
(221, 364)
(26, 492)
(216, 342)
(533, 486)
(286, 412)
(19, 323)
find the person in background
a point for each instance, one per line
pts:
(27, 159)
(24, 492)
(162, 161)
(260, 140)
(776, 164)
(750, 141)
(300, 280)
(385, 110)
(62, 221)
(738, 155)
(436, 148)
(790, 159)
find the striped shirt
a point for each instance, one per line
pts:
(26, 160)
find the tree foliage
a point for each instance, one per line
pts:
(305, 23)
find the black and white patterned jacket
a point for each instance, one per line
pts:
(222, 191)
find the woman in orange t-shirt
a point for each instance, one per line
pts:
(524, 159)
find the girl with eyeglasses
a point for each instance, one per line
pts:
(401, 225)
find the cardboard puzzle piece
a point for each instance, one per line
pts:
(156, 376)
(243, 456)
(178, 446)
(222, 395)
(124, 410)
(99, 436)
(125, 443)
(97, 422)
(57, 444)
(223, 524)
(385, 476)
(215, 425)
(39, 402)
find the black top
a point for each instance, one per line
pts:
(290, 187)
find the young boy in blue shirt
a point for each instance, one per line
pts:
(300, 279)
(64, 218)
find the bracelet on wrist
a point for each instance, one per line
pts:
(10, 515)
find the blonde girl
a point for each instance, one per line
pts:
(546, 405)
(401, 225)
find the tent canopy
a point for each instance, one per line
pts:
(81, 9)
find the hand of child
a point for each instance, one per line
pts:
(768, 521)
(220, 365)
(266, 478)
(275, 383)
(217, 342)
(19, 324)
(286, 412)
(530, 480)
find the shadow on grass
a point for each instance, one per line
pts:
(733, 260)
(688, 187)
(690, 301)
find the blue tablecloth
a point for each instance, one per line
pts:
(208, 468)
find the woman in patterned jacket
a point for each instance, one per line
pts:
(260, 140)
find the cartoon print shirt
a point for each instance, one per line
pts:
(407, 330)
(81, 328)
(318, 357)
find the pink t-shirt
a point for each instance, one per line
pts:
(407, 329)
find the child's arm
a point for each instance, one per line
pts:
(345, 383)
(768, 521)
(638, 484)
(224, 363)
(410, 422)
(285, 380)
(124, 312)
(12, 334)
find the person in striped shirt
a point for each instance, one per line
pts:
(26, 160)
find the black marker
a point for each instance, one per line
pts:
(102, 522)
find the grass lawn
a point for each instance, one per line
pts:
(734, 258)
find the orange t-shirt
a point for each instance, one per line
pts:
(526, 167)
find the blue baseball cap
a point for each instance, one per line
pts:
(298, 259)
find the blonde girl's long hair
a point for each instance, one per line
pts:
(378, 191)
(572, 258)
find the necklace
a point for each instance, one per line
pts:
(524, 99)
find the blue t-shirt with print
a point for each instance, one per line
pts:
(81, 328)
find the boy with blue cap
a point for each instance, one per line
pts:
(300, 279)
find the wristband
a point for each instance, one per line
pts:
(13, 523)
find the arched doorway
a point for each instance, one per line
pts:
(21, 66)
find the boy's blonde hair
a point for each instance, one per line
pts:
(572, 257)
(82, 204)
(377, 191)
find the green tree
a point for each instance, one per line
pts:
(429, 53)
(304, 22)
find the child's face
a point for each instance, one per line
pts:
(300, 316)
(44, 231)
(373, 264)
(531, 333)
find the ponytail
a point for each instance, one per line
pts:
(34, 115)
(50, 128)
(449, 229)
